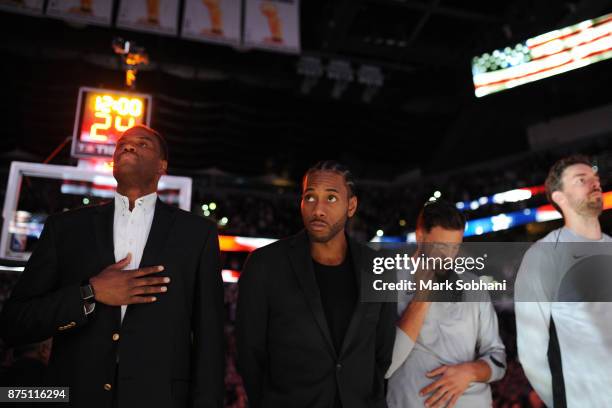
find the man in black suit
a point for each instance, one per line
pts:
(123, 335)
(304, 337)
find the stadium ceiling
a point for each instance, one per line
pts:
(246, 111)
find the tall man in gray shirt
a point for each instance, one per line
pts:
(445, 353)
(565, 347)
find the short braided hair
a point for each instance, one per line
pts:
(336, 167)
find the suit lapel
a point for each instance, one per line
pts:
(360, 307)
(301, 262)
(160, 229)
(103, 231)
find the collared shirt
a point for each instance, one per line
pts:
(131, 229)
(583, 330)
(452, 333)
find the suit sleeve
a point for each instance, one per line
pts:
(39, 307)
(208, 372)
(385, 340)
(251, 328)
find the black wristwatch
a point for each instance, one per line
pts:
(87, 292)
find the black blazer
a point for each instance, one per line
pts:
(171, 352)
(285, 351)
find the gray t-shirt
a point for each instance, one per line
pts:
(583, 329)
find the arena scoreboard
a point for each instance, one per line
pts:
(102, 115)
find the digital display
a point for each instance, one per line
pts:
(543, 56)
(102, 116)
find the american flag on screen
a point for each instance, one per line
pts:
(543, 56)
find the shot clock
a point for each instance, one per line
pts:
(102, 116)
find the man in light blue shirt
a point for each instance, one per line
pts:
(445, 353)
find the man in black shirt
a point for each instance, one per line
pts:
(304, 338)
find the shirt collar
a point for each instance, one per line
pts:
(146, 203)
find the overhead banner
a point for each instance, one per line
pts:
(154, 16)
(272, 25)
(97, 12)
(30, 7)
(216, 21)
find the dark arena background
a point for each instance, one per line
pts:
(394, 89)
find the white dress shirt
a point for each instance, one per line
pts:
(131, 229)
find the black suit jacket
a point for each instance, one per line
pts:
(285, 351)
(171, 352)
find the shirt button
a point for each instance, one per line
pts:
(115, 336)
(338, 367)
(108, 387)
